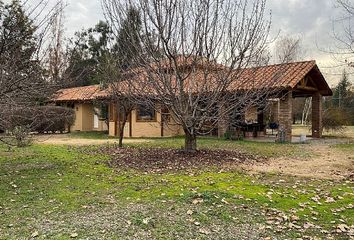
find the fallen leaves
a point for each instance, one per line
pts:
(34, 234)
(74, 235)
(158, 160)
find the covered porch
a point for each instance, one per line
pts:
(302, 80)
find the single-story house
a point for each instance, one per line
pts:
(143, 122)
(290, 80)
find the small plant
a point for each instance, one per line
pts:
(22, 136)
(227, 135)
(19, 136)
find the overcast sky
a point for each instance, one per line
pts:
(309, 19)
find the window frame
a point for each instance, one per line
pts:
(137, 110)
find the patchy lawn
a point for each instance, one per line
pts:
(61, 192)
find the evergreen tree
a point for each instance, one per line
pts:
(88, 48)
(128, 44)
(341, 92)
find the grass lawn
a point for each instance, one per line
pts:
(61, 192)
(266, 149)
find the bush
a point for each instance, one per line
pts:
(41, 118)
(53, 119)
(21, 122)
(21, 136)
(334, 119)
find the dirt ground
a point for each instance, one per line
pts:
(324, 162)
(63, 139)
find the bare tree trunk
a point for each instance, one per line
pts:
(121, 134)
(305, 111)
(190, 142)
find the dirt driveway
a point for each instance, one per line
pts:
(63, 139)
(324, 161)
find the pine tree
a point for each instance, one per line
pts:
(342, 92)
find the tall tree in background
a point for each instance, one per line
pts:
(23, 84)
(128, 45)
(57, 61)
(86, 51)
(202, 46)
(115, 65)
(288, 49)
(342, 94)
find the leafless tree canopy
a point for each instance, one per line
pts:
(23, 49)
(192, 55)
(288, 49)
(343, 33)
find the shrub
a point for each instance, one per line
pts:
(53, 119)
(334, 119)
(21, 122)
(21, 136)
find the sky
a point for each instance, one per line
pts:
(311, 20)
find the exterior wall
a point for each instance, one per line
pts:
(223, 122)
(146, 128)
(251, 114)
(84, 113)
(87, 117)
(172, 129)
(77, 126)
(275, 111)
(285, 115)
(111, 131)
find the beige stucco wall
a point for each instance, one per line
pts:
(84, 113)
(148, 128)
(251, 114)
(77, 126)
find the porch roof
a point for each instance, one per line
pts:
(283, 76)
(279, 76)
(86, 93)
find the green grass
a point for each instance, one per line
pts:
(90, 135)
(57, 190)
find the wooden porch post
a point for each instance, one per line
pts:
(317, 115)
(285, 114)
(223, 122)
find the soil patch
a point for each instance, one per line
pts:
(325, 162)
(63, 139)
(162, 160)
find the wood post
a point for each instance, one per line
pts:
(285, 115)
(317, 115)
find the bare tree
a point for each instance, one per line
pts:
(57, 62)
(288, 49)
(23, 84)
(118, 89)
(343, 33)
(203, 48)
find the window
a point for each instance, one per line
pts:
(145, 114)
(165, 115)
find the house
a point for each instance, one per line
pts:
(143, 122)
(287, 81)
(84, 101)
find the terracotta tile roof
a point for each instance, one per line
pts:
(274, 76)
(80, 94)
(279, 76)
